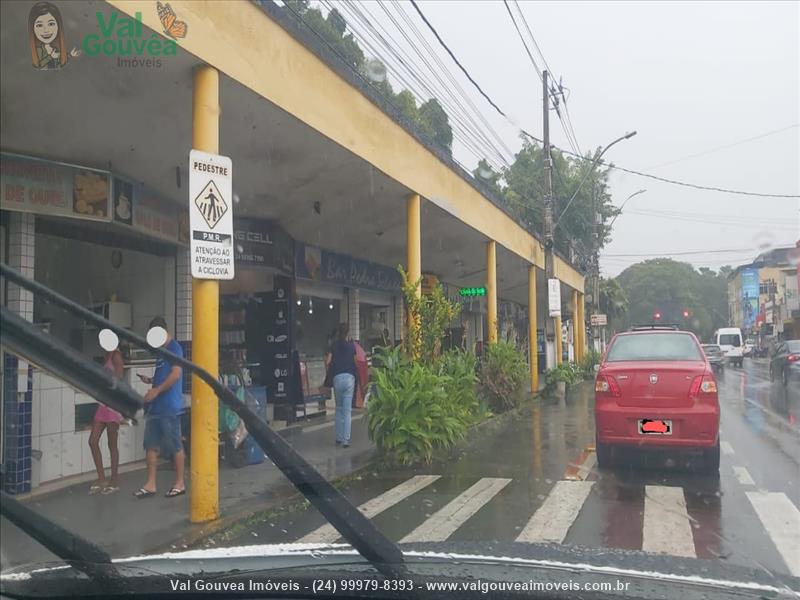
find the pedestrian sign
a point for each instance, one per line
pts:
(211, 215)
(211, 204)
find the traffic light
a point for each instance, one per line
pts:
(657, 316)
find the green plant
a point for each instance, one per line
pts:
(459, 368)
(565, 372)
(417, 409)
(501, 377)
(428, 318)
(588, 363)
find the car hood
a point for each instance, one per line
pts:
(647, 575)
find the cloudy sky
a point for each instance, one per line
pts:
(691, 78)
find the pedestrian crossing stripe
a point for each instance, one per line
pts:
(328, 534)
(211, 204)
(557, 513)
(781, 519)
(667, 528)
(446, 521)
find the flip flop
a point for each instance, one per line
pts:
(143, 493)
(95, 489)
(173, 492)
(110, 489)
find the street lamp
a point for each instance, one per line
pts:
(589, 172)
(623, 206)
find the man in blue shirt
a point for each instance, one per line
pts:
(162, 429)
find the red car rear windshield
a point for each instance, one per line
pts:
(654, 346)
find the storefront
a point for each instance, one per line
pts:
(333, 288)
(112, 246)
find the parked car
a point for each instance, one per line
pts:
(748, 348)
(784, 362)
(730, 340)
(715, 357)
(656, 390)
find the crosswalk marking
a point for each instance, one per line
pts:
(726, 447)
(743, 476)
(446, 521)
(666, 522)
(327, 534)
(781, 519)
(556, 515)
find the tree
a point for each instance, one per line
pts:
(434, 121)
(524, 196)
(672, 287)
(613, 299)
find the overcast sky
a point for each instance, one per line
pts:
(688, 76)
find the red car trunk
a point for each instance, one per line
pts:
(655, 384)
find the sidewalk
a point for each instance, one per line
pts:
(124, 525)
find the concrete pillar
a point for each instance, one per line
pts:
(491, 290)
(532, 325)
(354, 314)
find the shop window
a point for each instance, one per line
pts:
(84, 415)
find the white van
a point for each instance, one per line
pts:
(729, 339)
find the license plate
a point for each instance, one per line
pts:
(655, 427)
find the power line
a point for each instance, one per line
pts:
(575, 154)
(455, 60)
(731, 145)
(727, 251)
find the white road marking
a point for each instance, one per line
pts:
(666, 522)
(743, 476)
(555, 516)
(447, 520)
(327, 534)
(781, 519)
(726, 447)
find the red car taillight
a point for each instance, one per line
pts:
(606, 384)
(793, 357)
(702, 385)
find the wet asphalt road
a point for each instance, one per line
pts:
(535, 479)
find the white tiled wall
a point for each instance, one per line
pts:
(353, 313)
(65, 451)
(21, 252)
(183, 303)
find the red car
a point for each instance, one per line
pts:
(656, 390)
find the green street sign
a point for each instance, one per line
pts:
(472, 291)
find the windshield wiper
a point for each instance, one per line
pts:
(351, 523)
(82, 554)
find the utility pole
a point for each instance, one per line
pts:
(549, 258)
(595, 263)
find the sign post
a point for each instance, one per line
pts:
(211, 215)
(554, 297)
(599, 320)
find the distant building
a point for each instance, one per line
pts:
(763, 295)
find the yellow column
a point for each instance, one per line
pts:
(204, 491)
(559, 347)
(532, 325)
(491, 289)
(414, 255)
(576, 341)
(581, 326)
(414, 241)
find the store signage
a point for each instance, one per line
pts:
(211, 215)
(278, 342)
(263, 244)
(472, 291)
(554, 297)
(329, 267)
(598, 320)
(49, 188)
